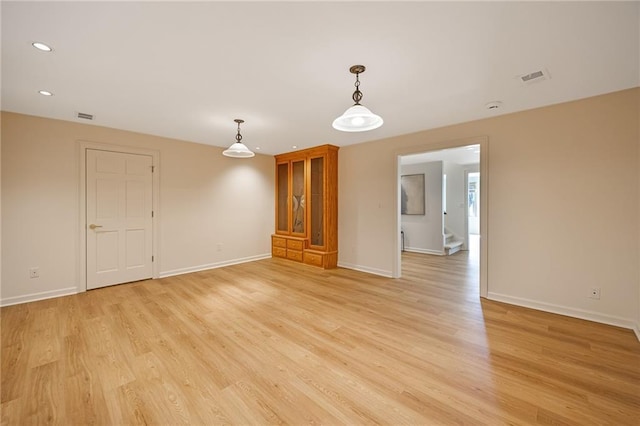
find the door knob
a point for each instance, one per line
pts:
(94, 226)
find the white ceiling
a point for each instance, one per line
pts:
(186, 70)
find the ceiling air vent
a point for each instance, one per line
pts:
(85, 116)
(535, 76)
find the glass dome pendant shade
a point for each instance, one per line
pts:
(238, 149)
(357, 118)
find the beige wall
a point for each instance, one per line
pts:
(0, 208)
(637, 329)
(205, 199)
(563, 204)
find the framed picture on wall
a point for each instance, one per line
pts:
(412, 194)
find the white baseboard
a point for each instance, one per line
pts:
(38, 296)
(199, 268)
(366, 269)
(424, 251)
(74, 290)
(567, 311)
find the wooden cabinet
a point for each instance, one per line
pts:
(307, 206)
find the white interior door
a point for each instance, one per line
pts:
(119, 217)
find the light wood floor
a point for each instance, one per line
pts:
(280, 342)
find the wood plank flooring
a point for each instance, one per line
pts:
(277, 342)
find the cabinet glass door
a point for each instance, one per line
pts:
(317, 200)
(283, 194)
(298, 203)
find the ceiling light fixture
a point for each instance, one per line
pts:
(238, 149)
(45, 93)
(357, 118)
(41, 46)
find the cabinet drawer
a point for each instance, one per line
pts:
(294, 245)
(313, 259)
(279, 252)
(294, 255)
(279, 242)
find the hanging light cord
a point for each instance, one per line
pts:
(357, 95)
(238, 136)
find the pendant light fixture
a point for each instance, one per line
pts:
(238, 149)
(357, 118)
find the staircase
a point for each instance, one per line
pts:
(451, 245)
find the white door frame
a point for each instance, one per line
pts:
(83, 146)
(465, 245)
(483, 141)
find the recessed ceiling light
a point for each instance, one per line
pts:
(45, 93)
(294, 146)
(41, 46)
(257, 148)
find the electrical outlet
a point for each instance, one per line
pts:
(594, 293)
(34, 272)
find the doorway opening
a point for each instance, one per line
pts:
(453, 220)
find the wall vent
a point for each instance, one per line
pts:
(85, 116)
(534, 77)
